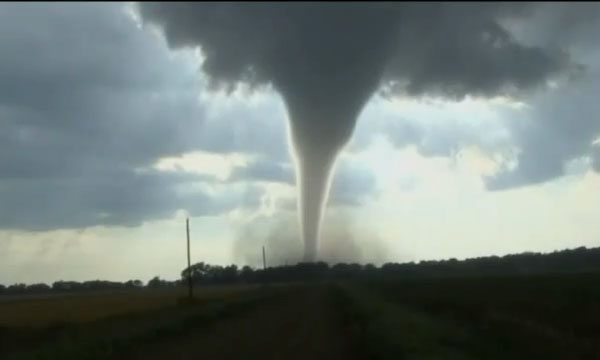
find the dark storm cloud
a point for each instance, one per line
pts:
(562, 125)
(84, 78)
(558, 127)
(451, 49)
(121, 198)
(438, 49)
(86, 98)
(237, 127)
(564, 24)
(327, 60)
(75, 88)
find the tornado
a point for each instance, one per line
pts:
(322, 112)
(327, 59)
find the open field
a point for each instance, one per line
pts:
(45, 310)
(535, 317)
(167, 315)
(542, 317)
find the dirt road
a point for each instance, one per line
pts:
(299, 324)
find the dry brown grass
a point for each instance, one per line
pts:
(44, 311)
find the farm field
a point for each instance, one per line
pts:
(542, 317)
(533, 317)
(41, 311)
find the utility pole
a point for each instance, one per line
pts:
(187, 228)
(264, 259)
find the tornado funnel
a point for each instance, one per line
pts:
(322, 114)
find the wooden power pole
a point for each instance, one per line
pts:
(187, 229)
(264, 259)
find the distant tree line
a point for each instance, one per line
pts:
(566, 261)
(69, 286)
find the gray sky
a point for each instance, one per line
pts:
(109, 136)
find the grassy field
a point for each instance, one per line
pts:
(35, 311)
(544, 317)
(102, 325)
